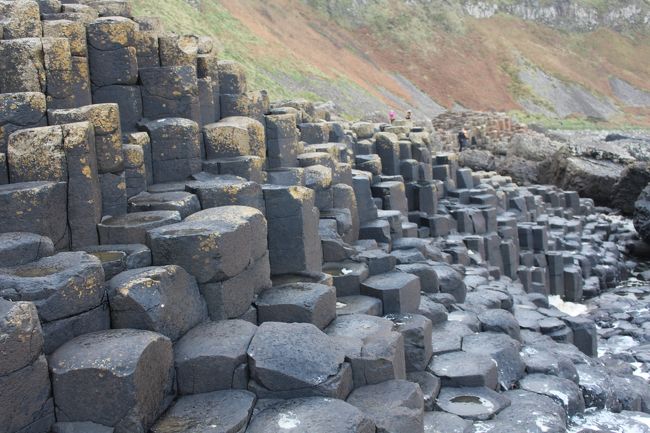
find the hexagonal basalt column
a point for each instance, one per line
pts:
(398, 291)
(213, 245)
(294, 243)
(313, 415)
(298, 302)
(220, 411)
(163, 299)
(132, 228)
(120, 378)
(212, 357)
(289, 360)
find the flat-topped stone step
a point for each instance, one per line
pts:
(227, 190)
(533, 411)
(297, 359)
(545, 361)
(434, 311)
(303, 277)
(429, 384)
(298, 302)
(375, 351)
(135, 255)
(214, 244)
(60, 286)
(498, 320)
(48, 219)
(347, 276)
(358, 304)
(378, 261)
(234, 136)
(477, 403)
(504, 352)
(219, 411)
(212, 357)
(563, 391)
(19, 248)
(294, 244)
(448, 337)
(444, 422)
(311, 415)
(133, 368)
(163, 299)
(248, 167)
(394, 405)
(398, 291)
(182, 202)
(465, 369)
(132, 228)
(416, 330)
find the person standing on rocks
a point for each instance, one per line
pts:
(391, 116)
(408, 115)
(463, 139)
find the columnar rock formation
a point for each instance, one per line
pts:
(612, 169)
(184, 256)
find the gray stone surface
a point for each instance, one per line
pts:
(471, 403)
(394, 405)
(163, 299)
(218, 412)
(227, 190)
(132, 228)
(18, 248)
(417, 331)
(22, 335)
(358, 304)
(299, 302)
(49, 219)
(375, 351)
(214, 244)
(443, 422)
(120, 378)
(26, 395)
(504, 352)
(448, 336)
(294, 245)
(429, 384)
(311, 415)
(315, 366)
(463, 369)
(562, 391)
(399, 292)
(212, 357)
(60, 286)
(182, 202)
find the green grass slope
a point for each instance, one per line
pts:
(402, 54)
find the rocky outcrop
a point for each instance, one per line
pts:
(642, 214)
(272, 269)
(612, 169)
(572, 15)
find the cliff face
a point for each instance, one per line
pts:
(571, 15)
(550, 59)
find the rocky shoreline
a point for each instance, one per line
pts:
(178, 254)
(611, 167)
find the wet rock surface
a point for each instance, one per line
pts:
(185, 255)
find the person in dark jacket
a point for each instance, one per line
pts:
(463, 139)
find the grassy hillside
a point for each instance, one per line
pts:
(399, 54)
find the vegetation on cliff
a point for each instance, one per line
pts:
(428, 55)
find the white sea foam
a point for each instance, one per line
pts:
(571, 308)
